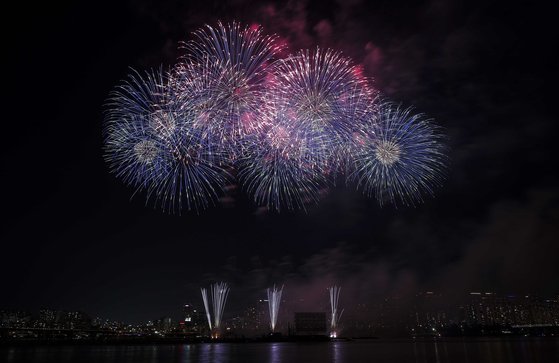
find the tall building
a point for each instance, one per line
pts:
(163, 325)
(194, 319)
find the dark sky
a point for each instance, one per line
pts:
(73, 239)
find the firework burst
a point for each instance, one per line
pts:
(400, 157)
(139, 117)
(315, 83)
(224, 74)
(286, 166)
(326, 93)
(150, 145)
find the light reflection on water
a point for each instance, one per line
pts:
(337, 352)
(377, 351)
(275, 353)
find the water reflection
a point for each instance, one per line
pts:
(379, 351)
(11, 355)
(466, 359)
(275, 353)
(437, 359)
(213, 353)
(337, 352)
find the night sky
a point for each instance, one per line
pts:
(72, 237)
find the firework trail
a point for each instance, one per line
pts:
(219, 293)
(335, 313)
(274, 300)
(401, 158)
(206, 306)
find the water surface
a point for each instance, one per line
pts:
(529, 350)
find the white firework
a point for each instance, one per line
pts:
(274, 301)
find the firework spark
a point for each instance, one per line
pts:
(274, 300)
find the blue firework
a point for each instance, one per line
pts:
(400, 156)
(150, 145)
(191, 176)
(136, 125)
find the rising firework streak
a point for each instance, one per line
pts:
(218, 294)
(274, 300)
(335, 313)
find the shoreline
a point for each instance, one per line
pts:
(148, 342)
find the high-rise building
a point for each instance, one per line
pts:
(194, 320)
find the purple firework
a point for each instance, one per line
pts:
(223, 76)
(286, 167)
(327, 94)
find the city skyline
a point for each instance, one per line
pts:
(426, 314)
(291, 303)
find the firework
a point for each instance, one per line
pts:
(135, 128)
(206, 306)
(274, 300)
(335, 314)
(224, 74)
(326, 93)
(151, 146)
(218, 293)
(219, 297)
(191, 177)
(287, 127)
(286, 166)
(400, 156)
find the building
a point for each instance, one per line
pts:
(163, 325)
(194, 319)
(310, 323)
